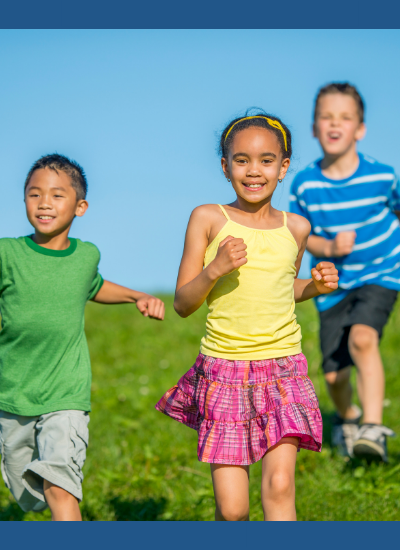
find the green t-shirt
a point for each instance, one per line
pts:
(44, 357)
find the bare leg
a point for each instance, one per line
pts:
(340, 390)
(364, 350)
(63, 505)
(231, 491)
(277, 486)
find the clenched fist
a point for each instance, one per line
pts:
(342, 244)
(325, 277)
(231, 255)
(150, 306)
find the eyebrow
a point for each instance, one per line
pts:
(37, 187)
(262, 155)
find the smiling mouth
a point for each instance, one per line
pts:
(45, 219)
(254, 186)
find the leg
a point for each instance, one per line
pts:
(364, 349)
(63, 505)
(231, 491)
(62, 438)
(18, 448)
(277, 485)
(346, 420)
(340, 390)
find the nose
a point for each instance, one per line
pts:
(253, 169)
(44, 203)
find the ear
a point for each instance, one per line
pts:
(284, 168)
(361, 131)
(81, 207)
(224, 166)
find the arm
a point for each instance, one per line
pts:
(324, 281)
(341, 245)
(195, 283)
(324, 276)
(148, 305)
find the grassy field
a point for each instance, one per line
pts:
(141, 465)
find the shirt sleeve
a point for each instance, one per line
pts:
(296, 204)
(96, 285)
(394, 199)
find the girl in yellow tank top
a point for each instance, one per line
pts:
(248, 394)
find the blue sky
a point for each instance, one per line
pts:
(141, 112)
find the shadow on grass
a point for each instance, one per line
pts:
(12, 512)
(327, 428)
(147, 509)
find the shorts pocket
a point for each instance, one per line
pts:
(79, 435)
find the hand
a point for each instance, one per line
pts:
(231, 255)
(342, 244)
(325, 277)
(150, 306)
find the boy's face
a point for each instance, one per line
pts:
(51, 202)
(337, 124)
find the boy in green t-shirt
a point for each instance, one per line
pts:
(45, 376)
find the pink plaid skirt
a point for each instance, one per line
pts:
(242, 408)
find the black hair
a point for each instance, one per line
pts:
(70, 167)
(243, 122)
(341, 88)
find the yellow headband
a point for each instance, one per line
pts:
(271, 122)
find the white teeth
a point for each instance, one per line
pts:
(45, 217)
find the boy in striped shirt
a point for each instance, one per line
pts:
(353, 204)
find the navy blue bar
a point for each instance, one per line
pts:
(205, 535)
(203, 14)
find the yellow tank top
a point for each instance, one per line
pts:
(251, 313)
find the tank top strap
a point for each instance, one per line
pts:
(224, 212)
(284, 218)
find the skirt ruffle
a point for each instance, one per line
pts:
(240, 409)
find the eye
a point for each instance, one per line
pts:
(59, 196)
(241, 161)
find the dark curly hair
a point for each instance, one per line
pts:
(64, 164)
(243, 122)
(341, 88)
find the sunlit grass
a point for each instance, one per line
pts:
(142, 465)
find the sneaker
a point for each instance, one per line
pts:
(371, 442)
(344, 432)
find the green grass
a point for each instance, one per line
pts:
(142, 465)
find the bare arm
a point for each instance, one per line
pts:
(195, 283)
(149, 306)
(324, 276)
(341, 245)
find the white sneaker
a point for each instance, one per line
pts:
(371, 443)
(344, 432)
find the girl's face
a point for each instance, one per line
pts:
(337, 124)
(254, 164)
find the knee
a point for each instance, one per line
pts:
(55, 494)
(337, 378)
(362, 339)
(229, 512)
(280, 485)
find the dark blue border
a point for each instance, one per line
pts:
(199, 14)
(199, 535)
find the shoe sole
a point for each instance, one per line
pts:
(368, 450)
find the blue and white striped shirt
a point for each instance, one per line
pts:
(364, 203)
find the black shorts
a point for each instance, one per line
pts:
(368, 305)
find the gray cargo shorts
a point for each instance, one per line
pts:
(50, 446)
